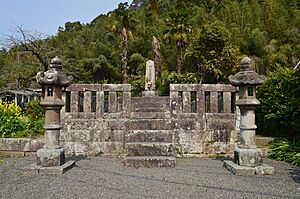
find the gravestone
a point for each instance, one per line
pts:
(150, 79)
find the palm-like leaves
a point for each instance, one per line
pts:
(178, 29)
(122, 24)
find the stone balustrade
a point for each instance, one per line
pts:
(96, 118)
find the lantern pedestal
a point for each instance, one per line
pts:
(51, 158)
(248, 159)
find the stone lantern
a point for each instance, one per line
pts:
(51, 158)
(248, 159)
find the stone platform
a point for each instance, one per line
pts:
(34, 168)
(236, 169)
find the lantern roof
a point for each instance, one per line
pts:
(246, 76)
(55, 75)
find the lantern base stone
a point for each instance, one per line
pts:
(50, 157)
(36, 169)
(248, 157)
(236, 169)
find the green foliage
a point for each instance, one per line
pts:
(205, 37)
(137, 84)
(11, 119)
(287, 151)
(214, 58)
(175, 78)
(33, 128)
(34, 110)
(280, 105)
(14, 124)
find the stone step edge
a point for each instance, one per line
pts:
(149, 143)
(150, 161)
(150, 157)
(151, 113)
(155, 131)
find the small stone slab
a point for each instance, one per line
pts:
(236, 169)
(264, 169)
(239, 170)
(150, 161)
(36, 169)
(148, 93)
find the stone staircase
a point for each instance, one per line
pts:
(149, 141)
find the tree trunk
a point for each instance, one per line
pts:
(157, 55)
(124, 55)
(180, 51)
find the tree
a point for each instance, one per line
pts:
(178, 29)
(157, 55)
(123, 25)
(25, 41)
(27, 54)
(213, 55)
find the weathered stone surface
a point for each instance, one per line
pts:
(50, 157)
(150, 162)
(56, 170)
(150, 115)
(149, 93)
(140, 101)
(149, 136)
(149, 149)
(150, 76)
(20, 144)
(246, 76)
(148, 124)
(264, 169)
(239, 170)
(194, 131)
(248, 157)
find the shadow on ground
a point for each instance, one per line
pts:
(77, 158)
(295, 174)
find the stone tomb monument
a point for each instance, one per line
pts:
(248, 159)
(51, 158)
(149, 79)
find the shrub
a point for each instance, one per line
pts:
(285, 150)
(11, 119)
(34, 110)
(175, 78)
(279, 112)
(138, 84)
(14, 124)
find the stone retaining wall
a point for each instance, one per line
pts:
(19, 146)
(202, 117)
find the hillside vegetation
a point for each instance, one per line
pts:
(207, 38)
(190, 41)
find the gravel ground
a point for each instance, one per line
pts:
(105, 177)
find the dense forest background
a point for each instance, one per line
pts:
(190, 41)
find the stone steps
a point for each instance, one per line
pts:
(149, 105)
(150, 161)
(149, 149)
(156, 99)
(150, 115)
(149, 124)
(147, 110)
(149, 136)
(149, 141)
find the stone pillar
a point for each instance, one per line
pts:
(150, 79)
(51, 158)
(248, 159)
